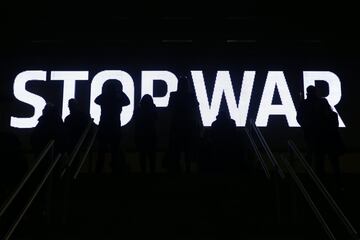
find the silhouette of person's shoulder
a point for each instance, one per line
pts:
(326, 106)
(333, 119)
(232, 122)
(50, 126)
(78, 116)
(46, 123)
(224, 122)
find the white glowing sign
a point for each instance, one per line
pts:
(69, 78)
(25, 96)
(276, 79)
(223, 86)
(209, 105)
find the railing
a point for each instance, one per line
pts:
(296, 179)
(86, 154)
(67, 172)
(33, 196)
(309, 199)
(258, 154)
(277, 178)
(48, 149)
(351, 230)
(267, 149)
(44, 152)
(77, 148)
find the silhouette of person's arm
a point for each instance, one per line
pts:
(332, 116)
(329, 116)
(335, 119)
(233, 124)
(67, 124)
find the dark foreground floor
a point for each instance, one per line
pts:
(182, 207)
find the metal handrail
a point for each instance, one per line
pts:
(86, 153)
(309, 199)
(268, 150)
(257, 152)
(77, 148)
(20, 217)
(40, 158)
(350, 228)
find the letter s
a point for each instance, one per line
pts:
(25, 96)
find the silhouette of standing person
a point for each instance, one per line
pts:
(50, 126)
(224, 142)
(185, 126)
(75, 124)
(111, 101)
(320, 126)
(145, 132)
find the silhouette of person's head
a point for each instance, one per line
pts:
(112, 88)
(73, 105)
(311, 92)
(223, 115)
(146, 102)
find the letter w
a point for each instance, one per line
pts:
(223, 86)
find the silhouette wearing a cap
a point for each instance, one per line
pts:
(111, 101)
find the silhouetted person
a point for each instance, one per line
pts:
(75, 124)
(225, 143)
(145, 132)
(49, 126)
(185, 126)
(320, 126)
(111, 101)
